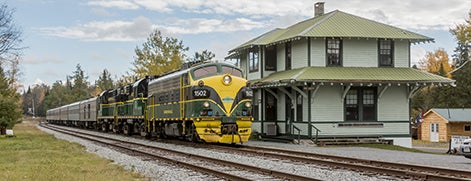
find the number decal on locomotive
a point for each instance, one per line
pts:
(200, 93)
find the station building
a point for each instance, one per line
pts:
(334, 75)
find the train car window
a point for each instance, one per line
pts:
(231, 71)
(205, 71)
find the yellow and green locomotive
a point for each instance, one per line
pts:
(209, 102)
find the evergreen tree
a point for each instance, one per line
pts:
(104, 82)
(10, 110)
(80, 85)
(205, 55)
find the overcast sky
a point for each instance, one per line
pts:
(102, 34)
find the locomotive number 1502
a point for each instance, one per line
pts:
(200, 93)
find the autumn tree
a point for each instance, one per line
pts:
(436, 62)
(429, 97)
(462, 33)
(158, 55)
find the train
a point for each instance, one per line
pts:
(207, 102)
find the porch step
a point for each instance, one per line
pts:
(279, 139)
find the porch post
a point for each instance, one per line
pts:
(309, 132)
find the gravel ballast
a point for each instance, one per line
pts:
(162, 171)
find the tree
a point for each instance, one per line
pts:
(9, 34)
(10, 37)
(32, 100)
(80, 85)
(158, 55)
(436, 62)
(462, 33)
(104, 82)
(57, 96)
(205, 55)
(10, 110)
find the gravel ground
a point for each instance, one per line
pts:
(161, 171)
(434, 160)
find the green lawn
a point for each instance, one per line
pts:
(35, 155)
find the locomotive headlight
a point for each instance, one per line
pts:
(206, 104)
(248, 104)
(201, 83)
(227, 79)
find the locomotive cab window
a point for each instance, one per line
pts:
(205, 71)
(231, 71)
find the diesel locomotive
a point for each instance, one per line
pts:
(209, 102)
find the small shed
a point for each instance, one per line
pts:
(439, 125)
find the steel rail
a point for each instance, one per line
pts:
(399, 169)
(273, 173)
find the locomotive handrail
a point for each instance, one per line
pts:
(317, 134)
(299, 132)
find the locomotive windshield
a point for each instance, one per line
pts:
(210, 70)
(231, 71)
(205, 71)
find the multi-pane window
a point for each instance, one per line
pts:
(334, 52)
(270, 58)
(385, 51)
(253, 60)
(288, 56)
(360, 104)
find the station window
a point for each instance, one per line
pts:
(334, 52)
(360, 104)
(467, 127)
(253, 59)
(270, 58)
(385, 53)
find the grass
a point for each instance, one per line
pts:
(35, 155)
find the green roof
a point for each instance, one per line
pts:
(352, 75)
(335, 24)
(454, 114)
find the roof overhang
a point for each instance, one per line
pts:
(351, 76)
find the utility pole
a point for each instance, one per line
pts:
(33, 106)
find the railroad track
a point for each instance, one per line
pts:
(220, 168)
(400, 170)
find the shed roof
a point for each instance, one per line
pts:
(352, 75)
(454, 114)
(334, 24)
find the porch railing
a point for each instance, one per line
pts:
(299, 132)
(317, 134)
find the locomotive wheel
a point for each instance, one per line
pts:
(127, 129)
(143, 130)
(193, 135)
(104, 127)
(115, 128)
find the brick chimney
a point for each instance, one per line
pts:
(318, 9)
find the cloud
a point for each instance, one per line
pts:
(411, 14)
(135, 30)
(201, 25)
(121, 4)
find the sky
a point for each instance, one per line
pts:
(103, 34)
